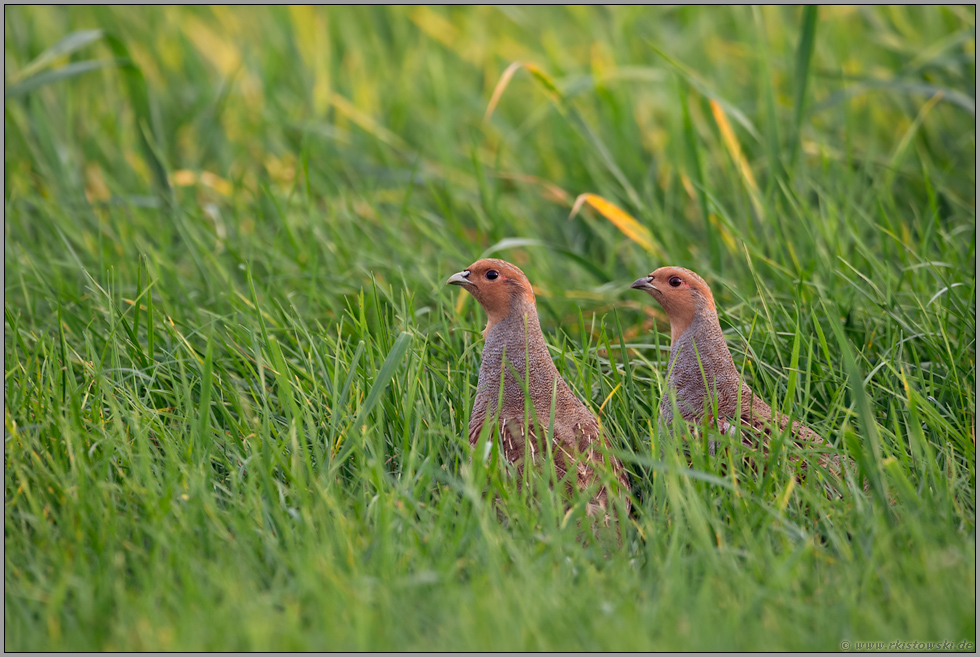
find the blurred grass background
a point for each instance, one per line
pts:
(236, 389)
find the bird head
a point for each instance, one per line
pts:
(683, 295)
(497, 285)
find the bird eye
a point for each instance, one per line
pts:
(492, 274)
(675, 281)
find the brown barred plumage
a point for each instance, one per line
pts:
(515, 348)
(701, 372)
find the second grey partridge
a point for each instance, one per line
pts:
(701, 371)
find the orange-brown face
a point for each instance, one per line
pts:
(496, 284)
(682, 293)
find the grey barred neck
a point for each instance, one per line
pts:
(699, 353)
(521, 328)
(525, 350)
(515, 319)
(704, 333)
(517, 336)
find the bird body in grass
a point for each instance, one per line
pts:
(514, 353)
(702, 374)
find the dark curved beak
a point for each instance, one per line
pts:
(643, 284)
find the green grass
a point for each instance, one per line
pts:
(236, 388)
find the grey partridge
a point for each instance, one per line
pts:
(702, 374)
(514, 333)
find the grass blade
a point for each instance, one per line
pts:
(65, 72)
(768, 97)
(67, 45)
(801, 74)
(702, 88)
(388, 368)
(693, 152)
(629, 226)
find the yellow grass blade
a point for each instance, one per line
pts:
(220, 51)
(499, 89)
(443, 30)
(735, 151)
(312, 39)
(602, 406)
(537, 72)
(542, 76)
(726, 235)
(608, 397)
(187, 178)
(461, 300)
(436, 26)
(784, 499)
(629, 226)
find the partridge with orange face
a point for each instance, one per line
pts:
(701, 371)
(515, 348)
